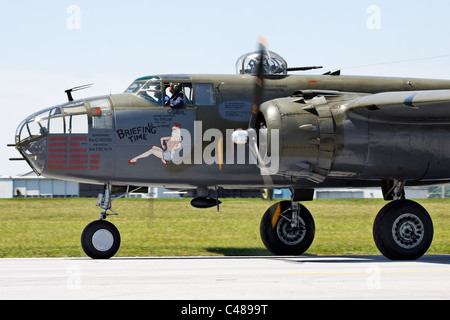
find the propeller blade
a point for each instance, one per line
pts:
(260, 161)
(259, 84)
(250, 135)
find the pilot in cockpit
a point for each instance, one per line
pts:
(177, 99)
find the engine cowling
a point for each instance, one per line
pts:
(307, 134)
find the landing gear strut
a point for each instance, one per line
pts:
(287, 228)
(101, 239)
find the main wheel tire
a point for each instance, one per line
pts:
(100, 240)
(403, 230)
(278, 234)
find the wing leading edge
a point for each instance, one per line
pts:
(428, 106)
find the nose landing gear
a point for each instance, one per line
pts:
(101, 239)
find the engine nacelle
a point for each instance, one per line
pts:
(307, 135)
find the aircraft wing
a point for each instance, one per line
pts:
(409, 106)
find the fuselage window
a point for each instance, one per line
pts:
(102, 115)
(204, 94)
(76, 118)
(78, 123)
(57, 124)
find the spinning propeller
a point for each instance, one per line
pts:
(250, 135)
(259, 85)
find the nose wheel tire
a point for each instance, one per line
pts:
(285, 232)
(403, 230)
(100, 240)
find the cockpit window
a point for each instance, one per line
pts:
(148, 88)
(152, 85)
(135, 86)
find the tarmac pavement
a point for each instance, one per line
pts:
(226, 278)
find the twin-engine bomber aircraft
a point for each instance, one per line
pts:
(260, 128)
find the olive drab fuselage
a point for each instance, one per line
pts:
(325, 138)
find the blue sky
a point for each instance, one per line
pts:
(115, 42)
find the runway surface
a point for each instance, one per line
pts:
(224, 278)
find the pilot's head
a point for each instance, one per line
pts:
(175, 87)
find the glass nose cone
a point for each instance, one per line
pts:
(46, 128)
(31, 139)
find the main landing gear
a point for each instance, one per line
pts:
(101, 239)
(402, 230)
(287, 228)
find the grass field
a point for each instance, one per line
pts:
(163, 227)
